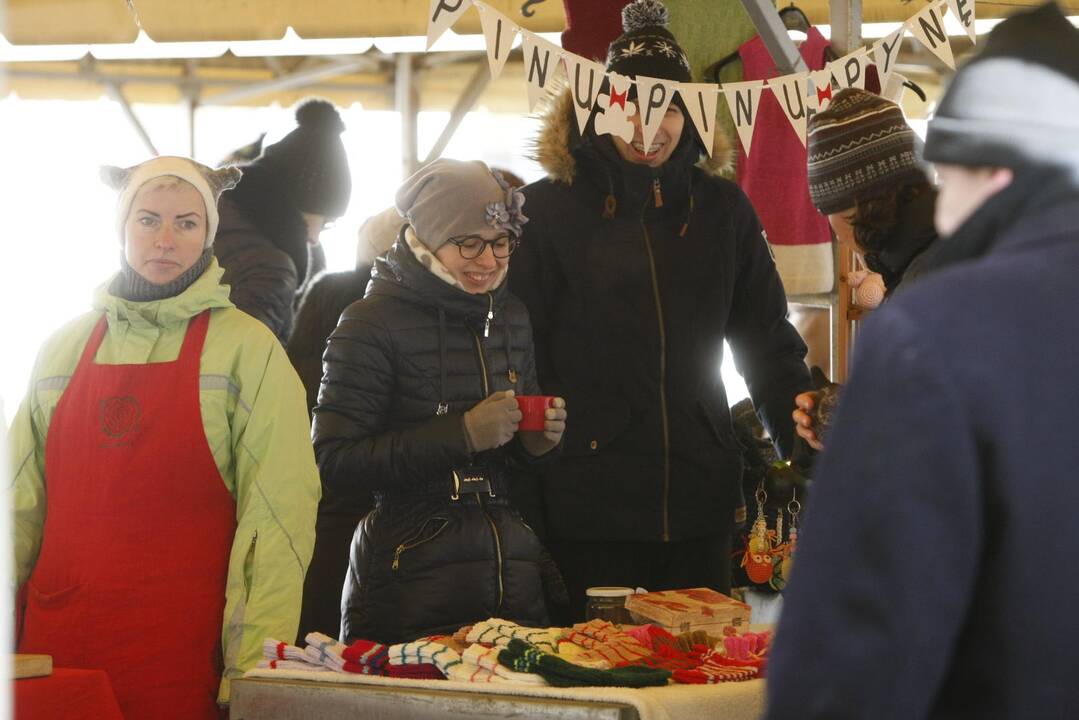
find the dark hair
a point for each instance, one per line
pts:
(876, 213)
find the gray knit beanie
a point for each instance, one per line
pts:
(451, 198)
(1016, 104)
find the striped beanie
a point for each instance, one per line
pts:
(861, 143)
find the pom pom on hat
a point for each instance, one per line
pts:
(643, 14)
(647, 47)
(310, 162)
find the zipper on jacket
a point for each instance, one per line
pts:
(490, 315)
(414, 542)
(249, 565)
(657, 193)
(498, 550)
(483, 365)
(662, 379)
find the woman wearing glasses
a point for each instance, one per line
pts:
(417, 405)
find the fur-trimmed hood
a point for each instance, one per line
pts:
(554, 146)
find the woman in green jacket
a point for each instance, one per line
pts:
(165, 487)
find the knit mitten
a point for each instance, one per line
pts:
(499, 632)
(425, 652)
(366, 657)
(487, 658)
(522, 657)
(276, 650)
(324, 650)
(424, 671)
(605, 639)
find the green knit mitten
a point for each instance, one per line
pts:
(522, 657)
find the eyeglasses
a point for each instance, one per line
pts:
(472, 246)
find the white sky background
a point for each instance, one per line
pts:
(59, 241)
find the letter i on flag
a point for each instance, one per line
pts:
(499, 33)
(743, 99)
(700, 100)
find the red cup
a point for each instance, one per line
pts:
(533, 411)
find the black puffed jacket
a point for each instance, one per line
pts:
(402, 367)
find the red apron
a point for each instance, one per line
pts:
(135, 553)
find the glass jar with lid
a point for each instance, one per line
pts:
(608, 603)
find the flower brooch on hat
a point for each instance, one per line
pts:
(507, 214)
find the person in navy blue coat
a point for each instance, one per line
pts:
(934, 576)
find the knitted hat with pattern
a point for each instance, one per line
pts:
(861, 143)
(310, 162)
(647, 47)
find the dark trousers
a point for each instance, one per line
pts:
(700, 562)
(322, 588)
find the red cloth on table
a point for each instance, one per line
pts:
(774, 176)
(67, 695)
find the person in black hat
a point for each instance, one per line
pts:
(288, 194)
(933, 577)
(638, 263)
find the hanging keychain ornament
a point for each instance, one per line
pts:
(785, 552)
(757, 560)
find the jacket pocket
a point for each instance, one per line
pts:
(50, 617)
(250, 565)
(594, 425)
(431, 528)
(719, 423)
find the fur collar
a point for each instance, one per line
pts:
(264, 203)
(558, 136)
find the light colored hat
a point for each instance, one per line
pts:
(209, 182)
(450, 198)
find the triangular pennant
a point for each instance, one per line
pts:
(790, 93)
(893, 91)
(743, 99)
(700, 100)
(886, 54)
(616, 109)
(541, 60)
(653, 97)
(849, 70)
(585, 81)
(443, 14)
(928, 27)
(820, 89)
(498, 32)
(963, 10)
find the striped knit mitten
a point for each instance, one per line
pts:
(526, 658)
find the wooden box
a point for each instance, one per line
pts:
(679, 611)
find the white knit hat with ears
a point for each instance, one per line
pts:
(209, 182)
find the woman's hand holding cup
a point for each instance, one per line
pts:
(543, 422)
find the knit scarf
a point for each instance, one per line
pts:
(1031, 190)
(129, 285)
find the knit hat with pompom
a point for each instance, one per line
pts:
(310, 162)
(647, 47)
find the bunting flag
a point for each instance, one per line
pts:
(928, 27)
(700, 100)
(963, 10)
(616, 109)
(585, 82)
(541, 62)
(653, 97)
(820, 89)
(798, 94)
(498, 34)
(442, 15)
(790, 93)
(849, 70)
(886, 53)
(743, 99)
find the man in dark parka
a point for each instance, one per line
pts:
(934, 577)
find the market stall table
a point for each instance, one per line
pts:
(67, 695)
(296, 695)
